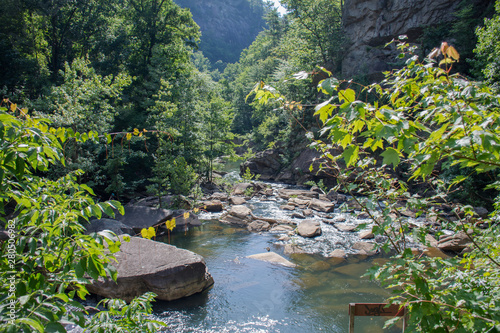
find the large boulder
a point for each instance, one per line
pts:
(140, 217)
(292, 193)
(237, 215)
(266, 163)
(322, 206)
(241, 188)
(456, 242)
(300, 170)
(145, 265)
(115, 226)
(309, 228)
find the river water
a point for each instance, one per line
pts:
(255, 296)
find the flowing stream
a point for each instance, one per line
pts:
(255, 296)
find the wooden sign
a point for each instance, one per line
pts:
(374, 310)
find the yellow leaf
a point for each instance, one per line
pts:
(144, 130)
(148, 233)
(186, 215)
(195, 210)
(13, 107)
(129, 136)
(170, 224)
(452, 52)
(444, 47)
(136, 131)
(24, 111)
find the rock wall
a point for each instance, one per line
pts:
(370, 24)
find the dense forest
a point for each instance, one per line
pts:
(132, 107)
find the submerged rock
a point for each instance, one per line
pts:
(272, 257)
(365, 248)
(145, 265)
(293, 249)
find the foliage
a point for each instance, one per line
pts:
(48, 260)
(421, 117)
(248, 175)
(121, 317)
(488, 47)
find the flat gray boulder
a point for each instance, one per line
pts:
(115, 226)
(289, 193)
(145, 265)
(240, 211)
(322, 205)
(234, 200)
(139, 217)
(309, 228)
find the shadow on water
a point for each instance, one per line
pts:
(255, 296)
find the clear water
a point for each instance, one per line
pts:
(255, 296)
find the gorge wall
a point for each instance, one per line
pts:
(370, 24)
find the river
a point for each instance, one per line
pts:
(255, 296)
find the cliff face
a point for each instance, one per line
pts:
(227, 26)
(370, 24)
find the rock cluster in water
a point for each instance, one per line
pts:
(306, 204)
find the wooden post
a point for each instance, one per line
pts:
(375, 309)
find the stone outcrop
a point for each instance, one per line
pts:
(456, 242)
(139, 217)
(109, 224)
(370, 24)
(238, 215)
(299, 171)
(144, 265)
(266, 163)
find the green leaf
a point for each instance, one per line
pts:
(32, 323)
(350, 155)
(54, 328)
(347, 95)
(391, 156)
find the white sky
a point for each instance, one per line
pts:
(277, 4)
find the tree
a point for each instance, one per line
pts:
(322, 21)
(47, 260)
(217, 124)
(420, 117)
(488, 47)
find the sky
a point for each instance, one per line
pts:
(277, 4)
